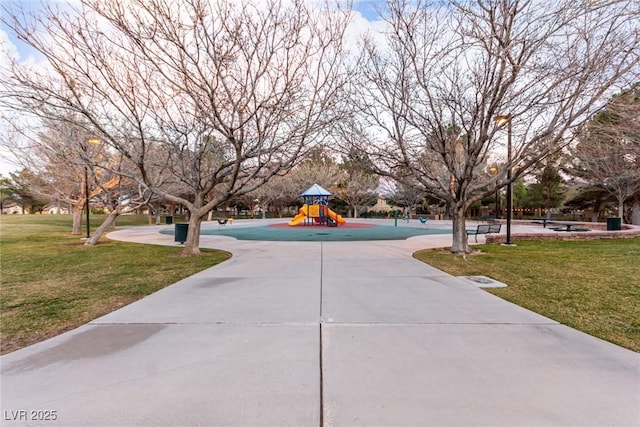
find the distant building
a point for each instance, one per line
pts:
(382, 206)
(9, 208)
(54, 209)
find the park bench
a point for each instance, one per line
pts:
(495, 228)
(484, 229)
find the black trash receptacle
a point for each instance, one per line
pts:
(614, 223)
(181, 233)
(169, 219)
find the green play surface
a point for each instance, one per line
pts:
(279, 232)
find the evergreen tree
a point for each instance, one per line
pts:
(548, 191)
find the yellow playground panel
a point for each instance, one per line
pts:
(312, 211)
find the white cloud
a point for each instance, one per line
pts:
(8, 50)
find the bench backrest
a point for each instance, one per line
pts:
(494, 228)
(483, 229)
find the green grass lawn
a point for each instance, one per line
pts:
(593, 286)
(51, 283)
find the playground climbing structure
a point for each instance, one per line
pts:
(316, 209)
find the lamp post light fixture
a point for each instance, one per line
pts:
(93, 141)
(501, 120)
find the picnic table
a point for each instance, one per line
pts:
(543, 221)
(567, 226)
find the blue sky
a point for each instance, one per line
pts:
(367, 8)
(29, 7)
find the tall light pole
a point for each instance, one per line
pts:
(86, 196)
(94, 141)
(502, 120)
(494, 171)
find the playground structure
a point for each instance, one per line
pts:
(319, 213)
(316, 209)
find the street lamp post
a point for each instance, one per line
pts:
(85, 147)
(501, 120)
(494, 171)
(86, 196)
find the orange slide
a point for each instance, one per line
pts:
(313, 211)
(298, 218)
(334, 216)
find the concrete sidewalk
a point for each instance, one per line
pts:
(321, 334)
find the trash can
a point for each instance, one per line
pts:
(614, 223)
(181, 233)
(169, 219)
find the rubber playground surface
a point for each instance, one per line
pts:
(351, 231)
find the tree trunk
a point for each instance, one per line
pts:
(460, 243)
(192, 245)
(153, 214)
(621, 209)
(596, 210)
(106, 224)
(77, 218)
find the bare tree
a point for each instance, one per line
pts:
(407, 195)
(279, 193)
(357, 188)
(607, 154)
(318, 167)
(429, 99)
(58, 159)
(209, 99)
(67, 165)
